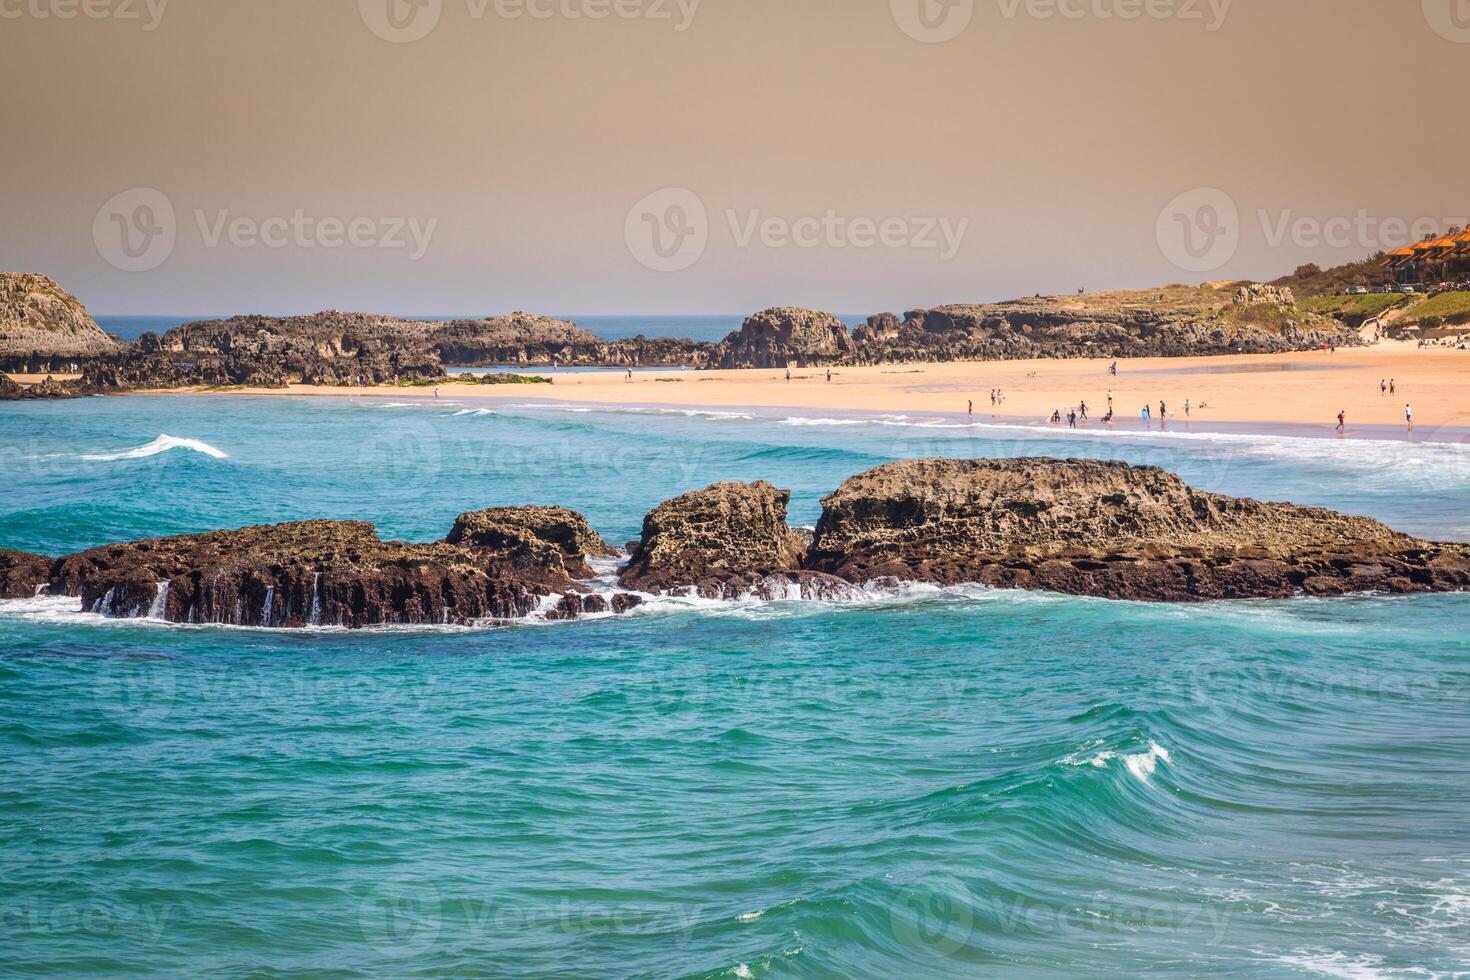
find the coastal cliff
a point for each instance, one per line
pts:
(45, 328)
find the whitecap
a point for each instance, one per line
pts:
(1142, 765)
(162, 444)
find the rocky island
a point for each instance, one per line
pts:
(1080, 527)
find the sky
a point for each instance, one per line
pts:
(473, 157)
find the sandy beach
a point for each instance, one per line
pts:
(1304, 390)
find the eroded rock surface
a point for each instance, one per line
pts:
(554, 538)
(729, 540)
(45, 328)
(22, 574)
(1109, 530)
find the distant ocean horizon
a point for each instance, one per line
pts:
(711, 327)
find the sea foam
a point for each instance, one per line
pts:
(162, 444)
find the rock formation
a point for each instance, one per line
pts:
(728, 540)
(22, 575)
(553, 538)
(1083, 527)
(45, 328)
(784, 336)
(1109, 530)
(336, 573)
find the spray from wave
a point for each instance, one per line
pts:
(162, 444)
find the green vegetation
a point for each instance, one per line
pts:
(1353, 308)
(1312, 280)
(1452, 308)
(500, 378)
(505, 379)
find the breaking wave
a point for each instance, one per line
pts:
(163, 444)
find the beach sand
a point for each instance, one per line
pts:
(1302, 390)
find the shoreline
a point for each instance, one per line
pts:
(1287, 394)
(1295, 394)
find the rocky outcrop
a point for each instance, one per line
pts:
(783, 336)
(22, 575)
(45, 328)
(339, 573)
(1255, 294)
(1109, 530)
(729, 540)
(552, 538)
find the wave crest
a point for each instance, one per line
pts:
(162, 444)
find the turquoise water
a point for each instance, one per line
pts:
(927, 783)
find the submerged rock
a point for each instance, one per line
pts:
(553, 538)
(727, 541)
(23, 575)
(1110, 530)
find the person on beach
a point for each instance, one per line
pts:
(1113, 369)
(1408, 415)
(788, 375)
(972, 408)
(829, 381)
(436, 394)
(1341, 420)
(1163, 410)
(1083, 409)
(1145, 413)
(1393, 389)
(1108, 418)
(1056, 416)
(1110, 399)
(992, 398)
(1382, 386)
(1072, 418)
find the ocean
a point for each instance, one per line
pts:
(926, 782)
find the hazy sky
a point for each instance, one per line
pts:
(659, 156)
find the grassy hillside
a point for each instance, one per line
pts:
(1353, 309)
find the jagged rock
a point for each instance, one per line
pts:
(725, 539)
(22, 574)
(542, 537)
(785, 335)
(47, 388)
(334, 573)
(1109, 530)
(45, 328)
(1255, 293)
